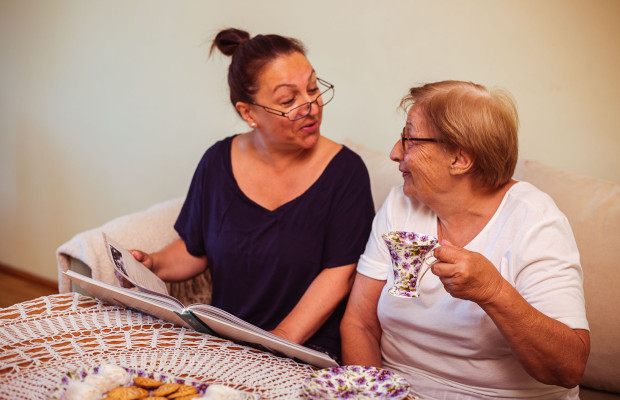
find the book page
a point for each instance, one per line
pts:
(131, 269)
(230, 327)
(160, 306)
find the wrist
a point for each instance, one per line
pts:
(496, 292)
(278, 331)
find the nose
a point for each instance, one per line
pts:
(397, 152)
(314, 105)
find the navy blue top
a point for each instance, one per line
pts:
(262, 261)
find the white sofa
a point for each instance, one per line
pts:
(592, 207)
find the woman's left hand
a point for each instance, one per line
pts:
(466, 274)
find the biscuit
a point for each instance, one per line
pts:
(147, 383)
(127, 393)
(184, 390)
(165, 389)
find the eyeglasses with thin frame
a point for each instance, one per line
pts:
(404, 139)
(303, 110)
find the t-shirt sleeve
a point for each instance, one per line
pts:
(375, 262)
(351, 213)
(189, 224)
(551, 278)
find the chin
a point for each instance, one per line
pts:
(408, 189)
(310, 139)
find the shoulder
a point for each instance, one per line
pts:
(528, 217)
(340, 154)
(348, 166)
(217, 151)
(221, 146)
(346, 155)
(527, 197)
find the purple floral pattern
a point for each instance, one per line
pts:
(81, 373)
(355, 382)
(407, 251)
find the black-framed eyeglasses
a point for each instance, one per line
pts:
(404, 139)
(299, 112)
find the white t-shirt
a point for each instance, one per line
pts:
(449, 348)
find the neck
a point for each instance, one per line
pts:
(276, 155)
(466, 212)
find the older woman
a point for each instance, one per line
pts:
(280, 214)
(502, 314)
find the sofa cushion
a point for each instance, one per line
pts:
(592, 207)
(383, 172)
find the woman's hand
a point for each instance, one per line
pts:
(141, 256)
(144, 258)
(467, 275)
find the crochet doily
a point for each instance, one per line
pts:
(41, 340)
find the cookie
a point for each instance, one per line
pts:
(147, 383)
(127, 393)
(183, 390)
(165, 389)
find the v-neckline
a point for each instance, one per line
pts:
(283, 205)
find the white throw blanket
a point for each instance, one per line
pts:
(148, 230)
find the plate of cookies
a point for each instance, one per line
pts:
(114, 382)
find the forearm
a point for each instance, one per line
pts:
(361, 344)
(317, 304)
(550, 351)
(174, 263)
(360, 329)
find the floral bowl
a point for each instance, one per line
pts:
(355, 382)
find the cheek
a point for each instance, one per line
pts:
(280, 126)
(419, 162)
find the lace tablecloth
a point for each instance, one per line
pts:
(42, 339)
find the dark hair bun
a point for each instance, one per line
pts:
(228, 40)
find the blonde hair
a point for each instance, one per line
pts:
(468, 116)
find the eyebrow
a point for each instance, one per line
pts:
(292, 85)
(411, 124)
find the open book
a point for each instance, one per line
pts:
(151, 296)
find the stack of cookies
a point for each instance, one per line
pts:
(152, 389)
(115, 383)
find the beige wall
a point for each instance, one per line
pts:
(106, 107)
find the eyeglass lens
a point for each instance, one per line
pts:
(403, 140)
(304, 109)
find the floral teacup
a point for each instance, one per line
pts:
(410, 253)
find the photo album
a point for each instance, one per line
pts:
(150, 295)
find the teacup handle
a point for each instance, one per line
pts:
(428, 264)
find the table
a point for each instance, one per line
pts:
(42, 339)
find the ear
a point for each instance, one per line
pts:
(245, 112)
(461, 162)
